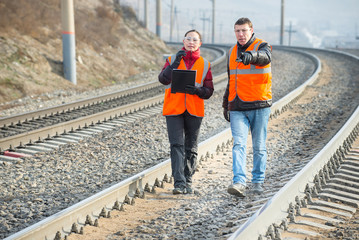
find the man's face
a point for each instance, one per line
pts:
(243, 33)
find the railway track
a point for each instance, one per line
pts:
(318, 198)
(23, 130)
(321, 195)
(136, 185)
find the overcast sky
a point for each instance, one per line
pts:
(314, 20)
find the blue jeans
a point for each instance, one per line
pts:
(257, 122)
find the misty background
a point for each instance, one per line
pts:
(314, 23)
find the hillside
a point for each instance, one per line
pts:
(111, 46)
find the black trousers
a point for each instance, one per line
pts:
(183, 132)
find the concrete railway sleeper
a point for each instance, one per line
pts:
(47, 128)
(214, 152)
(13, 126)
(301, 209)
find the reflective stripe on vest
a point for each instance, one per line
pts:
(178, 103)
(250, 71)
(249, 82)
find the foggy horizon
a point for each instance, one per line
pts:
(317, 23)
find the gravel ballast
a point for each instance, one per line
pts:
(42, 185)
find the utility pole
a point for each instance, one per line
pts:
(220, 32)
(68, 40)
(158, 18)
(171, 22)
(193, 25)
(282, 23)
(209, 27)
(138, 10)
(146, 13)
(204, 19)
(176, 18)
(213, 20)
(290, 32)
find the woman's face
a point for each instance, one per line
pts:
(192, 41)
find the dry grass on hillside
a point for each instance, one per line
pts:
(110, 43)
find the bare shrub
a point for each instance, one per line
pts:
(128, 13)
(42, 21)
(29, 17)
(104, 12)
(132, 70)
(95, 32)
(98, 30)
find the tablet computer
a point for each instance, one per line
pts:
(181, 78)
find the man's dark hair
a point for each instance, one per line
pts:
(244, 20)
(194, 30)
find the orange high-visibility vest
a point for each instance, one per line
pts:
(249, 82)
(178, 103)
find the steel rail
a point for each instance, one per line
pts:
(32, 136)
(62, 222)
(280, 105)
(276, 209)
(219, 48)
(73, 105)
(21, 139)
(89, 101)
(318, 49)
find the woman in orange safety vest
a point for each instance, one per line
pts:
(184, 110)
